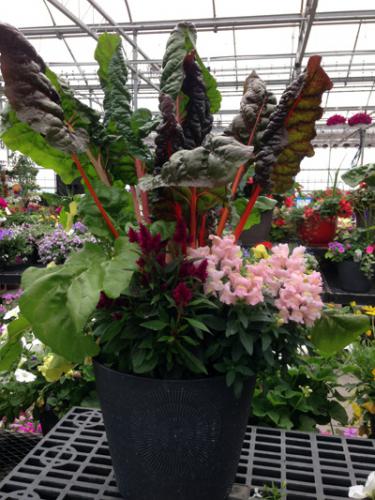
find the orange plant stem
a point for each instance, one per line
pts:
(136, 205)
(108, 221)
(202, 230)
(247, 212)
(145, 209)
(239, 174)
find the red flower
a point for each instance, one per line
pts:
(180, 235)
(345, 208)
(289, 201)
(58, 210)
(182, 295)
(336, 120)
(104, 302)
(280, 222)
(360, 118)
(201, 271)
(133, 236)
(250, 180)
(309, 212)
(267, 244)
(145, 240)
(363, 185)
(3, 203)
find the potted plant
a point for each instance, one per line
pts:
(362, 198)
(317, 221)
(258, 225)
(178, 321)
(15, 249)
(355, 258)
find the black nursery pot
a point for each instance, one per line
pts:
(172, 439)
(351, 278)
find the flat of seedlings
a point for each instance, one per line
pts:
(73, 463)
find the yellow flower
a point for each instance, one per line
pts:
(369, 333)
(260, 252)
(353, 303)
(357, 312)
(331, 305)
(357, 410)
(54, 367)
(370, 407)
(369, 310)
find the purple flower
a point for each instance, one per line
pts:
(79, 227)
(336, 246)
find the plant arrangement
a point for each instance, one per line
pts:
(356, 245)
(302, 396)
(336, 120)
(172, 303)
(361, 365)
(316, 222)
(57, 245)
(15, 248)
(362, 198)
(360, 119)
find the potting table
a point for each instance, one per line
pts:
(73, 463)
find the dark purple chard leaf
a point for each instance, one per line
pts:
(170, 136)
(255, 98)
(197, 120)
(31, 94)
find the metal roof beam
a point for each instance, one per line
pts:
(90, 31)
(304, 33)
(208, 24)
(111, 21)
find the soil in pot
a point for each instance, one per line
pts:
(259, 232)
(173, 439)
(317, 231)
(351, 278)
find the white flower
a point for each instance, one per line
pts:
(12, 313)
(24, 376)
(367, 491)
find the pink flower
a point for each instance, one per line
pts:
(226, 295)
(3, 203)
(370, 249)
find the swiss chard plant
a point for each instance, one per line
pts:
(181, 188)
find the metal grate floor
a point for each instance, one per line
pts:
(13, 447)
(73, 463)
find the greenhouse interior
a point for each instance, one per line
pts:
(187, 250)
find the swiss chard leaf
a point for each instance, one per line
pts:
(334, 331)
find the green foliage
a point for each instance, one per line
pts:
(116, 201)
(299, 397)
(19, 136)
(181, 42)
(335, 330)
(263, 204)
(66, 295)
(124, 129)
(24, 173)
(356, 175)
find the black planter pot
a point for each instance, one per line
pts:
(172, 439)
(259, 232)
(351, 278)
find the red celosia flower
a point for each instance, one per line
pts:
(201, 271)
(133, 236)
(182, 295)
(289, 201)
(160, 258)
(104, 302)
(280, 222)
(266, 244)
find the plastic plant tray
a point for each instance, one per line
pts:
(73, 463)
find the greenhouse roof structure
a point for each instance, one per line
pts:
(273, 37)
